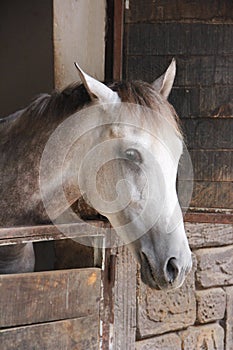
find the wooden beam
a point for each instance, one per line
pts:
(78, 333)
(213, 218)
(118, 39)
(93, 228)
(15, 235)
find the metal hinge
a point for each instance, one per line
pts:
(127, 4)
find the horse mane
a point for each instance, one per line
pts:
(60, 103)
(75, 97)
(142, 93)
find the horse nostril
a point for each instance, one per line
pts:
(171, 270)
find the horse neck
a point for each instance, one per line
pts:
(60, 185)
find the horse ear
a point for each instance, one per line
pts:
(164, 83)
(96, 89)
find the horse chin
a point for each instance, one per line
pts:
(150, 282)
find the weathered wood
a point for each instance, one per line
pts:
(118, 39)
(107, 301)
(47, 296)
(211, 218)
(74, 334)
(194, 94)
(212, 165)
(196, 101)
(125, 301)
(14, 235)
(109, 40)
(212, 194)
(215, 11)
(206, 133)
(208, 194)
(161, 39)
(192, 70)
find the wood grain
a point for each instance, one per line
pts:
(161, 39)
(212, 165)
(212, 195)
(125, 301)
(214, 11)
(74, 334)
(206, 133)
(118, 39)
(48, 296)
(23, 234)
(207, 194)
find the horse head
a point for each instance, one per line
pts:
(138, 150)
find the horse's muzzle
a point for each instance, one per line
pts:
(169, 276)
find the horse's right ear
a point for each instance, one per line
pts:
(96, 89)
(164, 83)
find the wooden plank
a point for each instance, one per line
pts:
(213, 218)
(194, 94)
(197, 101)
(192, 70)
(212, 165)
(161, 39)
(202, 235)
(109, 40)
(212, 195)
(75, 334)
(107, 300)
(15, 235)
(118, 39)
(220, 133)
(48, 296)
(220, 96)
(154, 11)
(125, 300)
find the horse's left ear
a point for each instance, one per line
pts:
(164, 83)
(96, 89)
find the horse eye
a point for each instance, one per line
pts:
(133, 155)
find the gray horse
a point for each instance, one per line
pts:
(146, 156)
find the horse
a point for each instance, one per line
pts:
(136, 186)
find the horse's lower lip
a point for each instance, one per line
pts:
(147, 274)
(150, 282)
